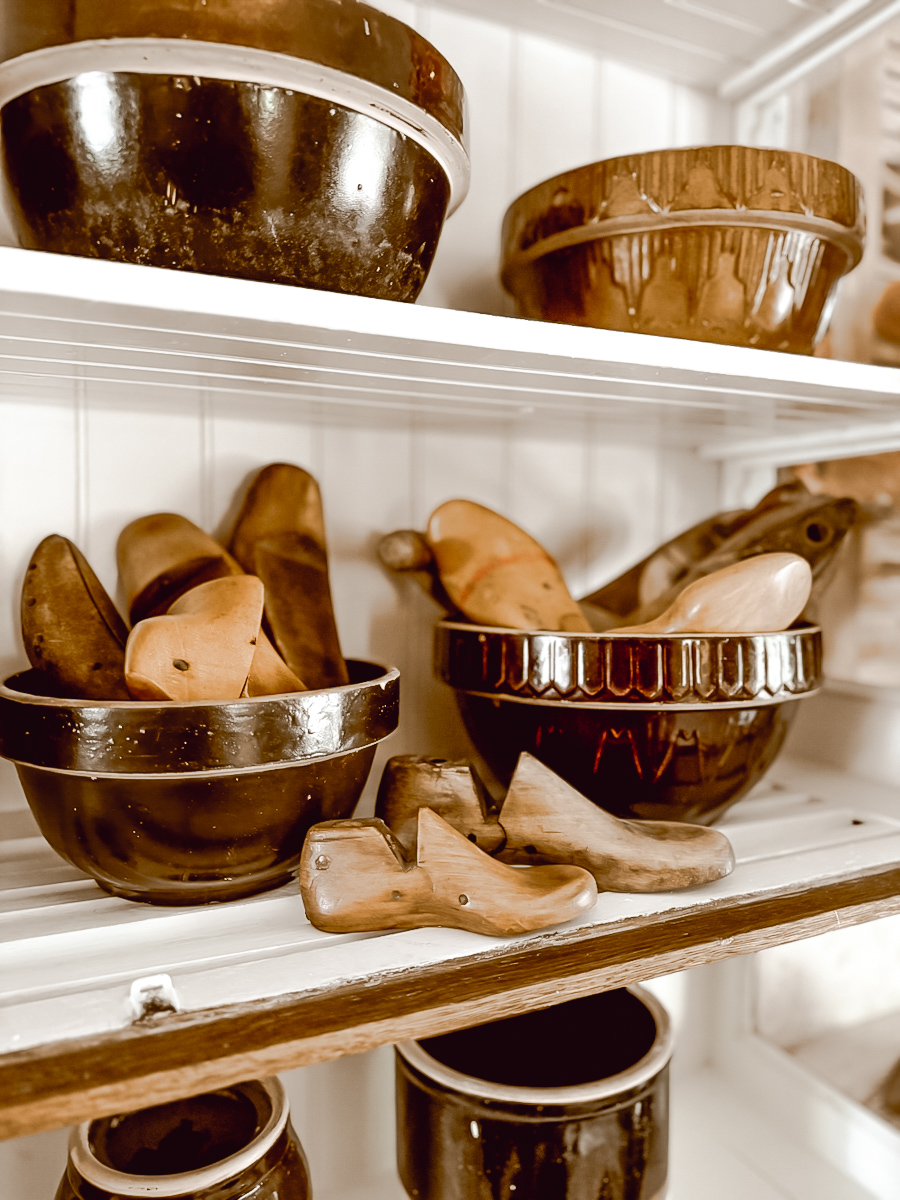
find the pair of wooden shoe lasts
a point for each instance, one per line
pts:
(439, 855)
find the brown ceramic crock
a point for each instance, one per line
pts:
(568, 1103)
(232, 1144)
(311, 142)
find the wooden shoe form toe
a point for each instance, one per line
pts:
(546, 819)
(354, 879)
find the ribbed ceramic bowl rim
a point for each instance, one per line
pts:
(601, 1089)
(497, 632)
(120, 1183)
(242, 64)
(689, 219)
(140, 708)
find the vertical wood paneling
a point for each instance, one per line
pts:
(634, 110)
(553, 116)
(139, 462)
(465, 268)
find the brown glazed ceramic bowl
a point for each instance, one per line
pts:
(190, 803)
(721, 243)
(673, 727)
(568, 1103)
(311, 142)
(232, 1144)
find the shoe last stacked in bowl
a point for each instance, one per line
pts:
(669, 714)
(184, 761)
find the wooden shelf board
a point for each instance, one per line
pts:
(259, 990)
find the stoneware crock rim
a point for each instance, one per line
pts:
(223, 61)
(604, 1089)
(120, 1183)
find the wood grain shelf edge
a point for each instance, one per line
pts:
(179, 1054)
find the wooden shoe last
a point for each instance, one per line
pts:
(354, 878)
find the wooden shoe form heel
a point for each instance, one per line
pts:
(546, 819)
(406, 552)
(72, 632)
(162, 556)
(354, 879)
(757, 595)
(409, 783)
(497, 574)
(279, 535)
(202, 649)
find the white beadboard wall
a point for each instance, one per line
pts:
(77, 464)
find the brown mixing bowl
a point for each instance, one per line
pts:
(672, 727)
(187, 803)
(311, 142)
(728, 244)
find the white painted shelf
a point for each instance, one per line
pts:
(143, 336)
(256, 988)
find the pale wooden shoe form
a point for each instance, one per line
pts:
(202, 649)
(545, 818)
(497, 574)
(269, 673)
(450, 789)
(353, 879)
(757, 595)
(162, 556)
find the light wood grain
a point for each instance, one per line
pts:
(203, 648)
(180, 1054)
(410, 782)
(163, 555)
(758, 595)
(547, 820)
(497, 574)
(354, 878)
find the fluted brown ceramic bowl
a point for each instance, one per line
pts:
(730, 244)
(181, 803)
(311, 142)
(674, 727)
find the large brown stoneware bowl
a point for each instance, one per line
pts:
(190, 803)
(675, 727)
(319, 143)
(731, 244)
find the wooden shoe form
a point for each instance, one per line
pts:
(757, 595)
(543, 819)
(72, 631)
(202, 649)
(546, 819)
(406, 551)
(450, 789)
(162, 556)
(354, 879)
(497, 574)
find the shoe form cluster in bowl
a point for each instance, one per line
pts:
(731, 244)
(187, 803)
(311, 142)
(182, 760)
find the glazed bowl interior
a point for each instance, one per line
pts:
(731, 244)
(673, 727)
(192, 803)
